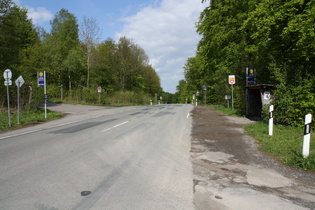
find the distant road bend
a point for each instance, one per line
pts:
(122, 158)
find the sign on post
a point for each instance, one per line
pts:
(7, 75)
(231, 79)
(41, 81)
(250, 76)
(19, 82)
(99, 90)
(232, 82)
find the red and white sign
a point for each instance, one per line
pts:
(231, 79)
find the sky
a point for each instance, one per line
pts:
(165, 29)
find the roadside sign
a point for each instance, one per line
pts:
(19, 81)
(99, 89)
(204, 87)
(228, 97)
(7, 74)
(7, 82)
(40, 79)
(231, 79)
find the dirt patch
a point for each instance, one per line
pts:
(230, 172)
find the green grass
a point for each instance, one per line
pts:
(285, 144)
(229, 111)
(30, 117)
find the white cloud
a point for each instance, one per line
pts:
(39, 14)
(167, 33)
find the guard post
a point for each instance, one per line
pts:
(307, 135)
(271, 107)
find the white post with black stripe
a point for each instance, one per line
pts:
(271, 108)
(307, 135)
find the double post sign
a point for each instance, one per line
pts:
(7, 75)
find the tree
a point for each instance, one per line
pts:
(16, 33)
(89, 33)
(59, 43)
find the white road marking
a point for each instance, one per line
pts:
(115, 126)
(120, 124)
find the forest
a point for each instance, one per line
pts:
(276, 37)
(75, 60)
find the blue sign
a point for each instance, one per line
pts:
(40, 79)
(204, 87)
(250, 76)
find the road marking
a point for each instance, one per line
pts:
(115, 126)
(120, 124)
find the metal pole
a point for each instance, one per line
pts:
(8, 97)
(18, 92)
(232, 98)
(45, 94)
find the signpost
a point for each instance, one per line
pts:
(232, 82)
(41, 81)
(7, 75)
(205, 91)
(99, 90)
(19, 82)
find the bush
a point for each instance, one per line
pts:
(293, 103)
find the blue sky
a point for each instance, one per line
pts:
(165, 29)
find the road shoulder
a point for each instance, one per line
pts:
(231, 173)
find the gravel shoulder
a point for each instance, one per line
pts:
(231, 173)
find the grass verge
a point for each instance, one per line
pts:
(30, 117)
(229, 111)
(285, 145)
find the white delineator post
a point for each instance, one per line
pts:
(271, 108)
(307, 135)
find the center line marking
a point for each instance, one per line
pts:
(120, 124)
(115, 126)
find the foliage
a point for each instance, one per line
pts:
(276, 37)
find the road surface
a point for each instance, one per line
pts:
(150, 157)
(118, 158)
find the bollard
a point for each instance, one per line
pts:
(151, 102)
(271, 120)
(307, 135)
(196, 102)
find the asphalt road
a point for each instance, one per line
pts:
(100, 158)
